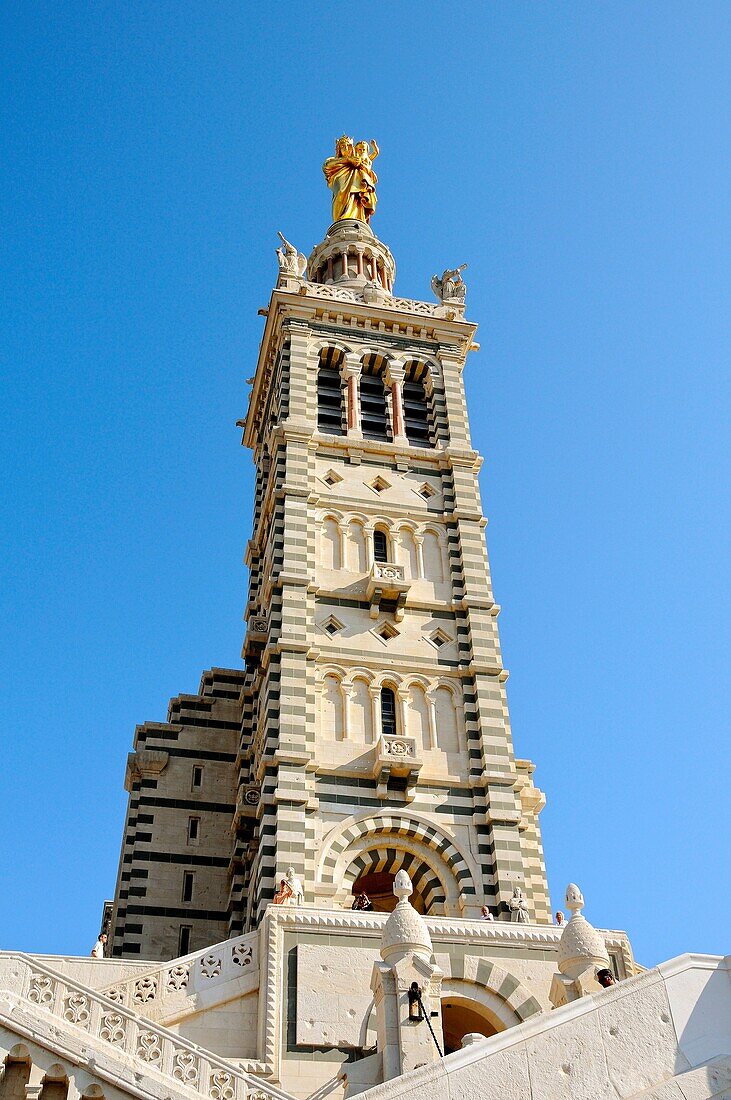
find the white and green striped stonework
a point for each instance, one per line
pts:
(456, 809)
(297, 767)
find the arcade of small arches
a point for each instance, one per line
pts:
(373, 396)
(359, 707)
(353, 261)
(21, 1077)
(355, 542)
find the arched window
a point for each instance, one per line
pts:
(330, 416)
(388, 712)
(418, 721)
(433, 557)
(374, 417)
(408, 553)
(330, 556)
(417, 411)
(331, 720)
(380, 545)
(357, 557)
(361, 712)
(446, 721)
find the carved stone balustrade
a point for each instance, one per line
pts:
(170, 989)
(120, 1036)
(387, 581)
(396, 756)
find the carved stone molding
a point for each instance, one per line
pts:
(145, 763)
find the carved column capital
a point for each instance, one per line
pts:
(351, 365)
(395, 372)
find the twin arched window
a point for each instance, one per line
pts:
(375, 414)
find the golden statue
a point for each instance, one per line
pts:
(351, 179)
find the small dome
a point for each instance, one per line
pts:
(580, 942)
(405, 931)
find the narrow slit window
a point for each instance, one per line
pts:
(380, 546)
(188, 885)
(193, 829)
(184, 939)
(197, 778)
(388, 712)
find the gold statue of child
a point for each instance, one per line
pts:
(351, 179)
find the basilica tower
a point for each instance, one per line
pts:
(369, 730)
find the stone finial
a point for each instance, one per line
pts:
(581, 946)
(574, 900)
(405, 931)
(402, 885)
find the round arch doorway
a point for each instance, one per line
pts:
(378, 888)
(461, 1016)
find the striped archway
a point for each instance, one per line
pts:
(389, 860)
(374, 834)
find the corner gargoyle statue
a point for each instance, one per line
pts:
(291, 262)
(450, 289)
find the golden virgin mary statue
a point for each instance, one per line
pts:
(351, 179)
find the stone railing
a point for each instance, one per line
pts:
(120, 1029)
(166, 985)
(343, 294)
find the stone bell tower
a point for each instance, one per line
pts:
(368, 730)
(380, 736)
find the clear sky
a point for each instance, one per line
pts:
(576, 156)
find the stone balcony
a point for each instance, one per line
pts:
(396, 756)
(387, 581)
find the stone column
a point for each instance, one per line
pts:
(432, 702)
(348, 692)
(370, 558)
(402, 695)
(351, 372)
(395, 380)
(376, 702)
(419, 541)
(35, 1082)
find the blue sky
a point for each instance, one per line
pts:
(577, 157)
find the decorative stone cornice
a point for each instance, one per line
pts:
(440, 928)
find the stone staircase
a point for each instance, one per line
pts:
(169, 991)
(114, 1040)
